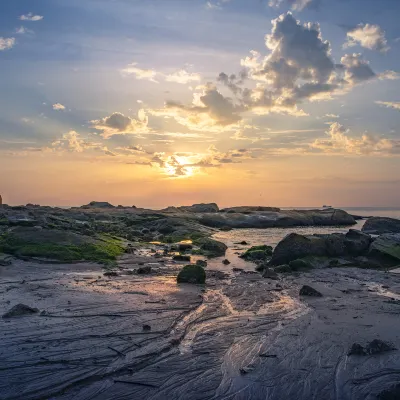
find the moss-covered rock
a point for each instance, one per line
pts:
(300, 264)
(211, 248)
(60, 245)
(191, 274)
(257, 253)
(284, 268)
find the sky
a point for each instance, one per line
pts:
(172, 102)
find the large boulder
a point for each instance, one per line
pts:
(381, 225)
(357, 242)
(257, 253)
(249, 209)
(212, 248)
(387, 247)
(99, 204)
(295, 246)
(191, 274)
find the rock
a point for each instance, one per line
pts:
(201, 263)
(243, 243)
(191, 274)
(200, 208)
(381, 225)
(212, 248)
(248, 209)
(284, 268)
(393, 393)
(386, 246)
(146, 328)
(377, 346)
(299, 265)
(184, 246)
(270, 274)
(144, 270)
(309, 291)
(234, 269)
(295, 246)
(99, 204)
(110, 273)
(5, 260)
(226, 262)
(181, 257)
(356, 350)
(257, 253)
(20, 310)
(357, 242)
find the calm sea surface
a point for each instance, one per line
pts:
(272, 236)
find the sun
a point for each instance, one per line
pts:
(180, 167)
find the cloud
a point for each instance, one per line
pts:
(182, 76)
(389, 104)
(369, 36)
(296, 5)
(31, 17)
(6, 43)
(209, 111)
(58, 107)
(140, 73)
(331, 116)
(356, 69)
(339, 141)
(119, 124)
(22, 30)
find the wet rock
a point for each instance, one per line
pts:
(181, 257)
(387, 247)
(300, 265)
(270, 274)
(212, 248)
(144, 270)
(377, 346)
(201, 263)
(309, 291)
(245, 370)
(20, 310)
(284, 268)
(257, 253)
(191, 274)
(295, 246)
(381, 225)
(356, 350)
(357, 242)
(234, 269)
(110, 273)
(217, 274)
(243, 243)
(226, 262)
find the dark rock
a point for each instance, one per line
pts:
(393, 393)
(212, 248)
(381, 225)
(356, 242)
(243, 243)
(284, 268)
(234, 269)
(257, 253)
(181, 257)
(99, 204)
(20, 310)
(191, 274)
(309, 291)
(110, 273)
(386, 246)
(146, 328)
(377, 346)
(200, 208)
(201, 263)
(246, 209)
(144, 270)
(356, 350)
(184, 246)
(270, 274)
(226, 262)
(300, 265)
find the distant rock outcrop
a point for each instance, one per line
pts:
(380, 225)
(98, 204)
(249, 209)
(200, 208)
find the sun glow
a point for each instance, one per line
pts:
(180, 166)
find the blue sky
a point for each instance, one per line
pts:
(121, 93)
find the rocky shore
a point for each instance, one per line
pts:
(103, 302)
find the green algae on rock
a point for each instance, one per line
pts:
(191, 274)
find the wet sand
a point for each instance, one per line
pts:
(237, 337)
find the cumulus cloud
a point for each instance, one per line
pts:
(295, 5)
(339, 141)
(182, 76)
(58, 107)
(31, 17)
(119, 124)
(23, 31)
(140, 73)
(369, 36)
(210, 110)
(389, 104)
(6, 43)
